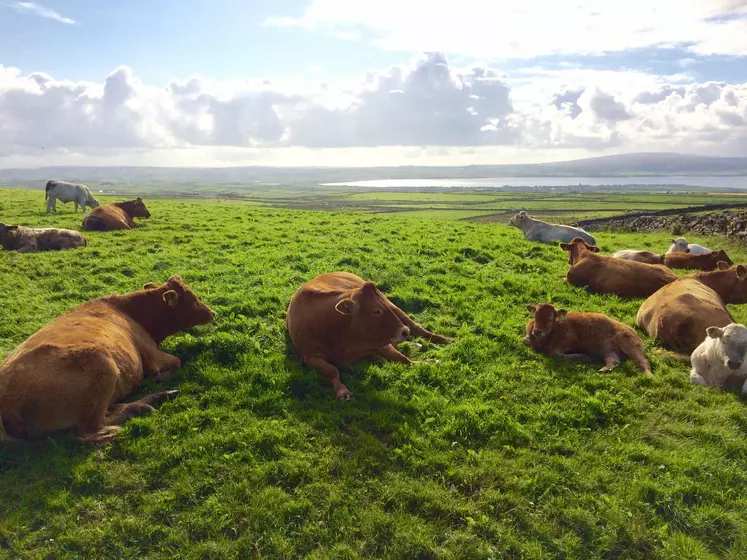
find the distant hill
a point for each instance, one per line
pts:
(650, 164)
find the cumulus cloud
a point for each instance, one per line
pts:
(428, 105)
(530, 28)
(41, 11)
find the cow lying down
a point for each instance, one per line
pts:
(116, 215)
(73, 372)
(338, 318)
(30, 240)
(558, 333)
(537, 230)
(720, 356)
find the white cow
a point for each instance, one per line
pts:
(720, 355)
(536, 230)
(68, 192)
(682, 246)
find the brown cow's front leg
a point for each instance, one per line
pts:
(160, 364)
(417, 330)
(118, 414)
(332, 373)
(389, 352)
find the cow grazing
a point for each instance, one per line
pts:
(607, 275)
(720, 356)
(639, 256)
(682, 246)
(536, 230)
(68, 192)
(679, 313)
(558, 333)
(338, 318)
(30, 240)
(697, 261)
(117, 215)
(75, 370)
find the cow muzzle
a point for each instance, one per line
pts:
(402, 335)
(731, 364)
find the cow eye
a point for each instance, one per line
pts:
(378, 312)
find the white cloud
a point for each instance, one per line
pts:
(530, 28)
(41, 11)
(429, 111)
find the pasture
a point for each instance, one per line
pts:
(493, 452)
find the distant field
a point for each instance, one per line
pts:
(484, 450)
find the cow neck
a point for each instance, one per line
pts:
(143, 308)
(126, 207)
(720, 281)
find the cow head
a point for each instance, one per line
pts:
(732, 340)
(545, 316)
(139, 209)
(93, 203)
(7, 235)
(680, 245)
(518, 220)
(178, 307)
(721, 256)
(371, 316)
(577, 248)
(729, 282)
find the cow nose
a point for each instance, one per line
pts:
(405, 332)
(535, 332)
(734, 365)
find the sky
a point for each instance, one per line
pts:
(358, 83)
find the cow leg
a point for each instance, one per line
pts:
(575, 357)
(389, 352)
(417, 330)
(744, 387)
(118, 414)
(333, 374)
(92, 426)
(697, 379)
(75, 202)
(610, 361)
(160, 364)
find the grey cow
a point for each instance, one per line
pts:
(537, 230)
(68, 192)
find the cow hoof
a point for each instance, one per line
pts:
(344, 395)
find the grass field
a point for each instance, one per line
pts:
(494, 452)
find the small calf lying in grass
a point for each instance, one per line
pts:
(720, 356)
(557, 333)
(701, 261)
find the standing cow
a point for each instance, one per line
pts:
(68, 192)
(339, 318)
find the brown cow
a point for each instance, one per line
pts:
(30, 240)
(679, 313)
(116, 215)
(74, 371)
(704, 261)
(557, 333)
(339, 318)
(608, 275)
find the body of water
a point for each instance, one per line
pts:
(711, 182)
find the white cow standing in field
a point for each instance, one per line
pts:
(720, 355)
(682, 246)
(536, 230)
(68, 192)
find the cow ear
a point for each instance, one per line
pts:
(150, 286)
(347, 307)
(531, 308)
(175, 280)
(672, 241)
(171, 298)
(369, 288)
(562, 312)
(593, 248)
(715, 332)
(565, 246)
(11, 228)
(139, 199)
(741, 271)
(522, 213)
(722, 265)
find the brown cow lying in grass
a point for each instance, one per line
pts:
(704, 261)
(74, 371)
(557, 333)
(608, 275)
(30, 240)
(680, 312)
(117, 215)
(339, 318)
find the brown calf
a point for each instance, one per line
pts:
(30, 240)
(117, 215)
(608, 275)
(339, 318)
(74, 371)
(679, 313)
(557, 333)
(704, 261)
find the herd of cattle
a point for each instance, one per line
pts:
(76, 371)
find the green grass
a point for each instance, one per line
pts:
(495, 452)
